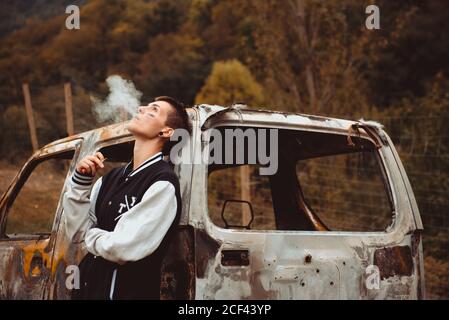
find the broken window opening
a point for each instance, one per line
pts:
(32, 206)
(321, 184)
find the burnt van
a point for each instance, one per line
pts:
(333, 216)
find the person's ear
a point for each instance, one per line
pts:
(167, 132)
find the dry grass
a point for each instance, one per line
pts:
(7, 173)
(34, 208)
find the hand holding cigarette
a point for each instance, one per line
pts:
(90, 164)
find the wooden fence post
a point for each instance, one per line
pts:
(30, 117)
(68, 108)
(245, 190)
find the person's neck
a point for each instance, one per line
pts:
(144, 149)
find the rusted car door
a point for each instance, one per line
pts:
(30, 211)
(305, 259)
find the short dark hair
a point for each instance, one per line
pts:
(177, 119)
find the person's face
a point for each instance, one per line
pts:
(150, 120)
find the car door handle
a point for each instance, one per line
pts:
(234, 257)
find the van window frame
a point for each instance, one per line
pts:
(385, 175)
(44, 154)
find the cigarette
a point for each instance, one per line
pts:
(83, 171)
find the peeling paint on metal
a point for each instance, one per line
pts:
(394, 261)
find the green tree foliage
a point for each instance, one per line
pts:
(229, 82)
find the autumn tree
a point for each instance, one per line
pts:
(308, 54)
(229, 82)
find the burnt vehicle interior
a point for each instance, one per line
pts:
(322, 183)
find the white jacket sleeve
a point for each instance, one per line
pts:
(79, 208)
(140, 230)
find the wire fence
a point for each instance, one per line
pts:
(423, 145)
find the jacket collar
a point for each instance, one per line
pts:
(153, 159)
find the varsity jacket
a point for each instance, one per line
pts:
(126, 221)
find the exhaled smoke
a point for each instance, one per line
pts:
(123, 99)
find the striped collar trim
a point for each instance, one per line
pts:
(153, 159)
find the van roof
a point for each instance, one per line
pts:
(211, 114)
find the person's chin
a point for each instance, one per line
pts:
(131, 127)
(140, 133)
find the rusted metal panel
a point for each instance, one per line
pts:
(178, 267)
(394, 261)
(206, 250)
(25, 269)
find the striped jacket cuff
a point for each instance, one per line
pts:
(82, 179)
